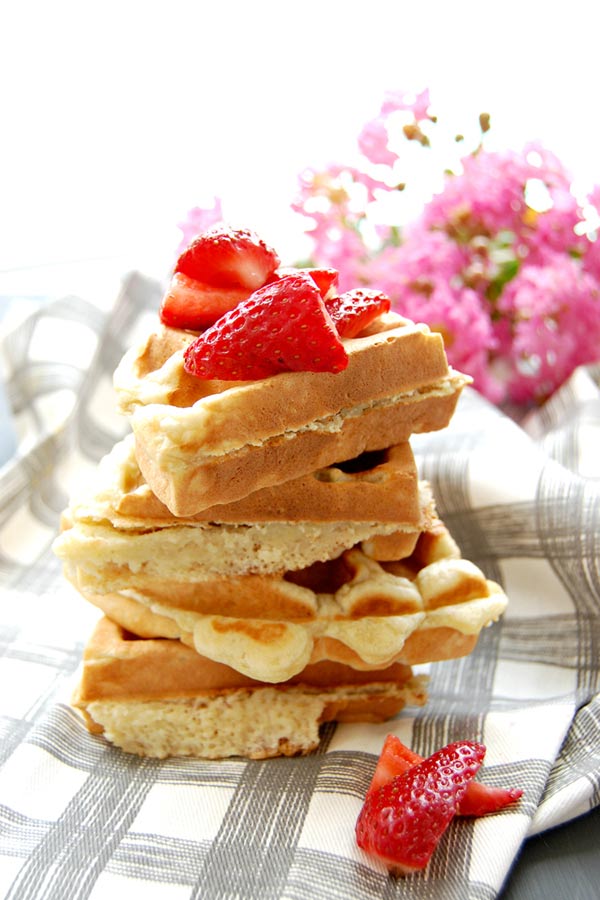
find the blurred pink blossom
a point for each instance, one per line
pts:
(373, 143)
(497, 261)
(487, 197)
(199, 219)
(554, 311)
(403, 100)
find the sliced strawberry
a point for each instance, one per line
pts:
(403, 821)
(479, 800)
(193, 305)
(324, 278)
(482, 799)
(229, 258)
(282, 327)
(354, 310)
(395, 759)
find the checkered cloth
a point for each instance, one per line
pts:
(79, 818)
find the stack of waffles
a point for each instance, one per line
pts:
(264, 553)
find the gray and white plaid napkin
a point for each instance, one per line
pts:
(82, 819)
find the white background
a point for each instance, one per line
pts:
(117, 117)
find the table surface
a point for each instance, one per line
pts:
(563, 862)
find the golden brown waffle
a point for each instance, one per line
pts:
(159, 698)
(352, 610)
(119, 536)
(375, 487)
(201, 443)
(264, 553)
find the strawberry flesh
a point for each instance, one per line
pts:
(225, 268)
(229, 258)
(354, 310)
(395, 759)
(402, 821)
(324, 278)
(282, 327)
(479, 799)
(193, 305)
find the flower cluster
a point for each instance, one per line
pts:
(502, 260)
(197, 220)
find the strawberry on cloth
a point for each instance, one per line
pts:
(402, 822)
(479, 799)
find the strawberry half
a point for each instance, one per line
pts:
(403, 821)
(282, 327)
(395, 759)
(324, 278)
(194, 305)
(228, 257)
(354, 310)
(479, 799)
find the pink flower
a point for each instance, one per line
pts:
(197, 220)
(550, 168)
(591, 258)
(591, 242)
(424, 279)
(373, 143)
(425, 255)
(489, 196)
(555, 315)
(332, 191)
(461, 315)
(510, 279)
(370, 184)
(339, 246)
(403, 100)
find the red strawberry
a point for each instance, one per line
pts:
(194, 305)
(480, 799)
(324, 278)
(229, 258)
(354, 310)
(395, 759)
(282, 327)
(402, 822)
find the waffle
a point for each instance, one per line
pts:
(375, 487)
(264, 553)
(352, 611)
(159, 698)
(120, 536)
(201, 443)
